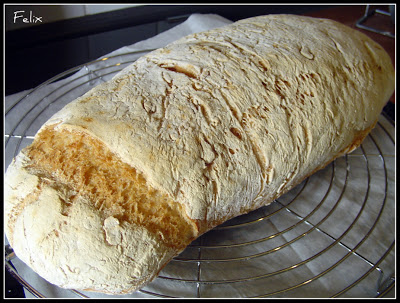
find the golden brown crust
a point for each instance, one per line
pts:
(85, 167)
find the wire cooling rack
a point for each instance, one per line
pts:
(331, 236)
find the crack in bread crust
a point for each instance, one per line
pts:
(84, 163)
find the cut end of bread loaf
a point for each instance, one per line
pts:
(83, 219)
(114, 187)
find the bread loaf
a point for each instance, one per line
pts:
(210, 127)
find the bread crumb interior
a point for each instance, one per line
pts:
(80, 162)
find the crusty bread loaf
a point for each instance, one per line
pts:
(210, 127)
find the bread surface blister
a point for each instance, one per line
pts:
(212, 126)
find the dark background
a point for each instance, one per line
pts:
(36, 54)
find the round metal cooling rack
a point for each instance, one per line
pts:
(331, 236)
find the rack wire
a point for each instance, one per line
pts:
(331, 236)
(370, 12)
